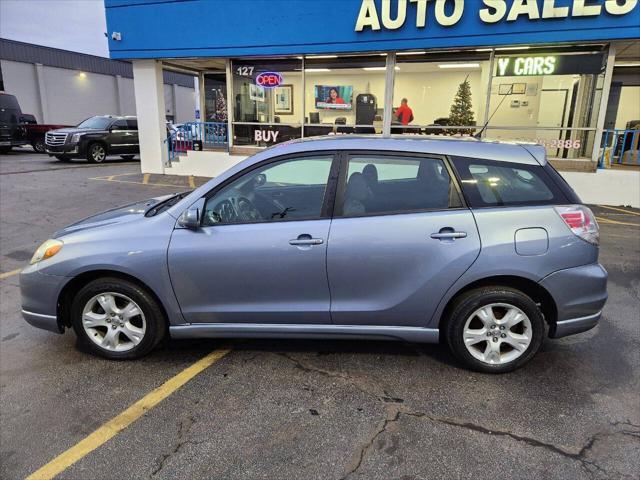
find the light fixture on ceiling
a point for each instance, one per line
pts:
(502, 49)
(411, 53)
(459, 65)
(322, 56)
(317, 69)
(373, 69)
(622, 64)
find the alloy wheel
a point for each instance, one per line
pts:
(114, 321)
(98, 153)
(497, 333)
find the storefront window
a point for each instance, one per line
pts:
(215, 97)
(267, 99)
(434, 95)
(344, 94)
(551, 99)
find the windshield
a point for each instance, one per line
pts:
(98, 123)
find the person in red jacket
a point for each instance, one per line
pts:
(403, 113)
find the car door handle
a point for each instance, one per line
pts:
(448, 235)
(305, 240)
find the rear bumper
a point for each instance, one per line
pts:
(580, 294)
(564, 328)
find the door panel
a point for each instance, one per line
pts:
(251, 273)
(387, 270)
(399, 239)
(260, 254)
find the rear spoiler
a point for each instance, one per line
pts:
(537, 151)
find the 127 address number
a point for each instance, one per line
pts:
(245, 71)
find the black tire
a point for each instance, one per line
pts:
(156, 324)
(127, 157)
(63, 158)
(468, 303)
(96, 153)
(39, 146)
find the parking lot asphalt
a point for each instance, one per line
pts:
(306, 409)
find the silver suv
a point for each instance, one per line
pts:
(478, 244)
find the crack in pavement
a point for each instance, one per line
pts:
(395, 411)
(183, 430)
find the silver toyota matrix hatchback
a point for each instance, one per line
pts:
(478, 244)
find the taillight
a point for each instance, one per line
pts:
(581, 222)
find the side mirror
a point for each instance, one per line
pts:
(190, 218)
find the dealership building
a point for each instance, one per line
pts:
(563, 73)
(62, 87)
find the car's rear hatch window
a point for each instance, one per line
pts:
(487, 183)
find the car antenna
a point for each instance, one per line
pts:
(484, 127)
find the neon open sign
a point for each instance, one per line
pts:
(269, 79)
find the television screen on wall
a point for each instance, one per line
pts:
(332, 97)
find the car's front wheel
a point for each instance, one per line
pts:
(117, 319)
(96, 153)
(39, 146)
(494, 329)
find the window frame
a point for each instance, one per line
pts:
(344, 170)
(474, 198)
(327, 201)
(114, 127)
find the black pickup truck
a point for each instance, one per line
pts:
(95, 138)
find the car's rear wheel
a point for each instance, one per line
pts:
(117, 319)
(96, 153)
(494, 329)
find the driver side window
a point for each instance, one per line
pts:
(291, 189)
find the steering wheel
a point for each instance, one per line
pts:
(247, 210)
(223, 212)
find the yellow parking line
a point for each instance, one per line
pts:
(192, 183)
(104, 179)
(620, 210)
(126, 418)
(10, 274)
(145, 178)
(608, 220)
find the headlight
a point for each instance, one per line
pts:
(75, 138)
(47, 250)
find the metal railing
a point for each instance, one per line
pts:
(620, 147)
(196, 136)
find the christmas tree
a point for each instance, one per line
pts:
(461, 113)
(221, 106)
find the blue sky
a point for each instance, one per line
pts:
(76, 25)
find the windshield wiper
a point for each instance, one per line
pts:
(168, 203)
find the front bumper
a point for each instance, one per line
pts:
(580, 294)
(46, 322)
(66, 149)
(39, 294)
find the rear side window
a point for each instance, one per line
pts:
(381, 184)
(489, 183)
